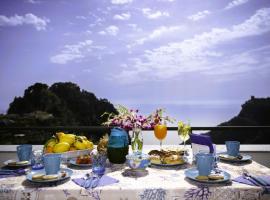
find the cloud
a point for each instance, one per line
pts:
(167, 0)
(75, 52)
(235, 3)
(81, 17)
(123, 16)
(199, 54)
(158, 32)
(150, 14)
(65, 58)
(199, 15)
(110, 30)
(121, 1)
(27, 19)
(33, 1)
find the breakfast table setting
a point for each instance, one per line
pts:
(121, 167)
(125, 181)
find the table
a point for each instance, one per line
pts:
(159, 184)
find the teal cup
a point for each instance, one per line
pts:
(52, 163)
(204, 163)
(24, 152)
(232, 148)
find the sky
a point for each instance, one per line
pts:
(142, 54)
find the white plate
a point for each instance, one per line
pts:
(69, 172)
(73, 162)
(227, 158)
(192, 173)
(15, 163)
(167, 165)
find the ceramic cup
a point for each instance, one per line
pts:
(24, 152)
(232, 148)
(52, 163)
(204, 162)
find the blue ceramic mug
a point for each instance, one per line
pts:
(232, 148)
(204, 162)
(52, 163)
(24, 152)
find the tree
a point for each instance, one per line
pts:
(65, 101)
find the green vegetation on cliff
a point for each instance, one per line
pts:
(254, 112)
(62, 104)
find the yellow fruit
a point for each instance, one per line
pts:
(69, 138)
(81, 137)
(49, 149)
(88, 144)
(51, 142)
(79, 144)
(60, 134)
(61, 147)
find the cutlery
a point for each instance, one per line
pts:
(91, 181)
(253, 179)
(88, 181)
(12, 172)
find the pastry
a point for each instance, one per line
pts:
(215, 177)
(202, 178)
(165, 157)
(37, 177)
(22, 162)
(173, 159)
(155, 159)
(50, 177)
(228, 157)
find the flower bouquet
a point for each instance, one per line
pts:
(129, 119)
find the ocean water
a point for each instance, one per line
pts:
(196, 115)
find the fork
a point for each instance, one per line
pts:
(252, 179)
(91, 181)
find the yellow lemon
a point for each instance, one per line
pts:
(51, 142)
(61, 147)
(79, 144)
(68, 138)
(89, 145)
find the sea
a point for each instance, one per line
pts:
(195, 114)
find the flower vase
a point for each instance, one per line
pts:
(137, 140)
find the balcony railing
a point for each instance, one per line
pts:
(38, 135)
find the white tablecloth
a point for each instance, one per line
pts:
(159, 184)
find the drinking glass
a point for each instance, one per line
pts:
(37, 162)
(160, 131)
(99, 164)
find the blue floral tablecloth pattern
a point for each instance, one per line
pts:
(159, 184)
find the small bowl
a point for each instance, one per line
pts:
(138, 161)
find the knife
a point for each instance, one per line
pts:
(255, 179)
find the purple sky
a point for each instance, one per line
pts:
(133, 52)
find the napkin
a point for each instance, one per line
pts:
(261, 181)
(5, 173)
(96, 182)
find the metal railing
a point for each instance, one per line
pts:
(38, 135)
